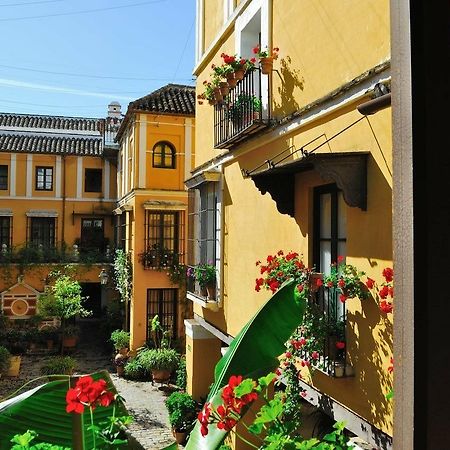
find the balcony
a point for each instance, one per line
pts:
(325, 324)
(205, 297)
(160, 258)
(42, 254)
(242, 113)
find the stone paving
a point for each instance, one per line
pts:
(150, 429)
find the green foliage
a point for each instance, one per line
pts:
(205, 273)
(24, 442)
(120, 339)
(182, 410)
(159, 359)
(59, 365)
(134, 370)
(5, 356)
(244, 104)
(160, 337)
(123, 274)
(63, 298)
(181, 374)
(71, 330)
(111, 433)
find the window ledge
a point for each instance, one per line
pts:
(212, 305)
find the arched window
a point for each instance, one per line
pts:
(164, 155)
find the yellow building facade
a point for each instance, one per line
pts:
(311, 172)
(156, 155)
(57, 194)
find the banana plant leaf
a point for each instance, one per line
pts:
(253, 353)
(43, 409)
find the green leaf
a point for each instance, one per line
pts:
(270, 412)
(253, 353)
(244, 388)
(265, 381)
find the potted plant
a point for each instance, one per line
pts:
(120, 361)
(182, 409)
(70, 335)
(5, 357)
(205, 275)
(266, 58)
(121, 341)
(58, 365)
(14, 340)
(160, 362)
(245, 109)
(48, 336)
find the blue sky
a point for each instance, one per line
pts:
(73, 57)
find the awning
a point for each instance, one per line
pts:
(203, 177)
(348, 170)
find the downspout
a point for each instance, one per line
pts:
(63, 223)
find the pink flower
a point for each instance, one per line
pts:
(315, 355)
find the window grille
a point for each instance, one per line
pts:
(162, 302)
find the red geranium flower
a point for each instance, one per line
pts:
(386, 307)
(342, 298)
(73, 402)
(341, 283)
(319, 282)
(340, 345)
(384, 291)
(340, 259)
(388, 274)
(370, 283)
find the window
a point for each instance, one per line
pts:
(5, 232)
(163, 243)
(92, 236)
(330, 226)
(42, 231)
(3, 178)
(93, 180)
(44, 178)
(162, 302)
(164, 155)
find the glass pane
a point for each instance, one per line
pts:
(168, 159)
(342, 217)
(325, 257)
(325, 216)
(157, 159)
(342, 249)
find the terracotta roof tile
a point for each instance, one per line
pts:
(172, 98)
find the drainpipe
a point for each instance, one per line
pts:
(63, 223)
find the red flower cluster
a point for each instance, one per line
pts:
(227, 414)
(391, 367)
(278, 269)
(386, 290)
(88, 392)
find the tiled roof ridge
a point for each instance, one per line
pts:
(32, 143)
(18, 120)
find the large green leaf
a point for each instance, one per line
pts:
(43, 409)
(253, 352)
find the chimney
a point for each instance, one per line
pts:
(114, 110)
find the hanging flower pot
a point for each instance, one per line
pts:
(224, 89)
(266, 65)
(231, 80)
(218, 95)
(239, 74)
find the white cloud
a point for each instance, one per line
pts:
(61, 90)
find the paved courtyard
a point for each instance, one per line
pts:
(150, 429)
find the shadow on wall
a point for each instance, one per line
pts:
(291, 80)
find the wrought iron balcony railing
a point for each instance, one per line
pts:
(327, 324)
(242, 113)
(160, 258)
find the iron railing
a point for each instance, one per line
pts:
(242, 112)
(331, 330)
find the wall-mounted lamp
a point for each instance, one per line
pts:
(104, 277)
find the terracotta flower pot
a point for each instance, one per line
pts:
(266, 65)
(239, 74)
(218, 94)
(224, 89)
(211, 291)
(232, 81)
(69, 342)
(180, 436)
(161, 376)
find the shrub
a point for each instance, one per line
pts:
(134, 370)
(182, 410)
(4, 359)
(120, 339)
(59, 365)
(159, 359)
(181, 374)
